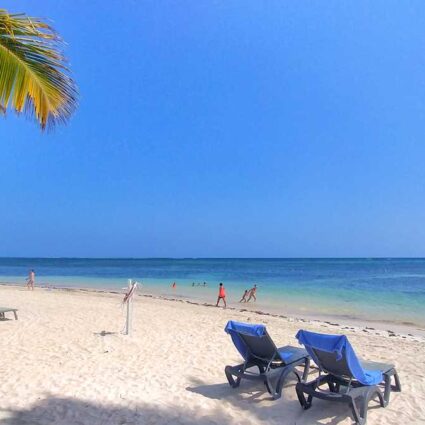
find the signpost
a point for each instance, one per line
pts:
(128, 299)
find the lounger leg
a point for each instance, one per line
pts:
(276, 394)
(269, 387)
(387, 391)
(397, 386)
(229, 375)
(332, 387)
(305, 403)
(306, 369)
(360, 412)
(389, 387)
(356, 414)
(16, 315)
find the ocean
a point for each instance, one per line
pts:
(387, 290)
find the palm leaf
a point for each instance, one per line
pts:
(34, 77)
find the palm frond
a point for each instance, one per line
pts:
(34, 77)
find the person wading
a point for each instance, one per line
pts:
(252, 293)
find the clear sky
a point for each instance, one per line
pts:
(225, 129)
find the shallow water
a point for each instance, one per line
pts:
(390, 290)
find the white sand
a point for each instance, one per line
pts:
(57, 368)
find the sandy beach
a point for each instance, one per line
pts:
(65, 361)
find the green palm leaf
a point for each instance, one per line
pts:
(33, 73)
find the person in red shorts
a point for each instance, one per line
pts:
(221, 295)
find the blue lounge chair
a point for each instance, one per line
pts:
(258, 350)
(349, 379)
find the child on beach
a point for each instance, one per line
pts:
(252, 293)
(221, 295)
(30, 280)
(245, 294)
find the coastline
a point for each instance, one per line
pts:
(339, 323)
(388, 293)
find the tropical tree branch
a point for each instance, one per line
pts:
(34, 77)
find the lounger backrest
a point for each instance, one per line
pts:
(252, 341)
(334, 354)
(328, 362)
(261, 347)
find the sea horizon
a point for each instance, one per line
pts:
(220, 258)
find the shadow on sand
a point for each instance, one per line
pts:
(252, 397)
(67, 411)
(249, 399)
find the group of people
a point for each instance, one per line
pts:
(246, 297)
(174, 285)
(249, 293)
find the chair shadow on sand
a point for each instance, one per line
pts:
(251, 391)
(287, 410)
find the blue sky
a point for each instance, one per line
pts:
(225, 129)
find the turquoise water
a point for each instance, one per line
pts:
(390, 290)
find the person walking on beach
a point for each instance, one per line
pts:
(221, 295)
(252, 293)
(245, 294)
(31, 279)
(173, 285)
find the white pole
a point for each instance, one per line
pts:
(129, 311)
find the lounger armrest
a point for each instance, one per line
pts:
(373, 366)
(291, 354)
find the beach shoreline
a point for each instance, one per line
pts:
(379, 327)
(383, 292)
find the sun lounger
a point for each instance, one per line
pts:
(348, 379)
(6, 310)
(258, 350)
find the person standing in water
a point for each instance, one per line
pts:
(221, 295)
(245, 294)
(252, 293)
(173, 285)
(31, 280)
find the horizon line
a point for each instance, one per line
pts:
(217, 258)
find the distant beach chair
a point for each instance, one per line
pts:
(6, 310)
(258, 350)
(348, 378)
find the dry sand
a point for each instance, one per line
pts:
(65, 361)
